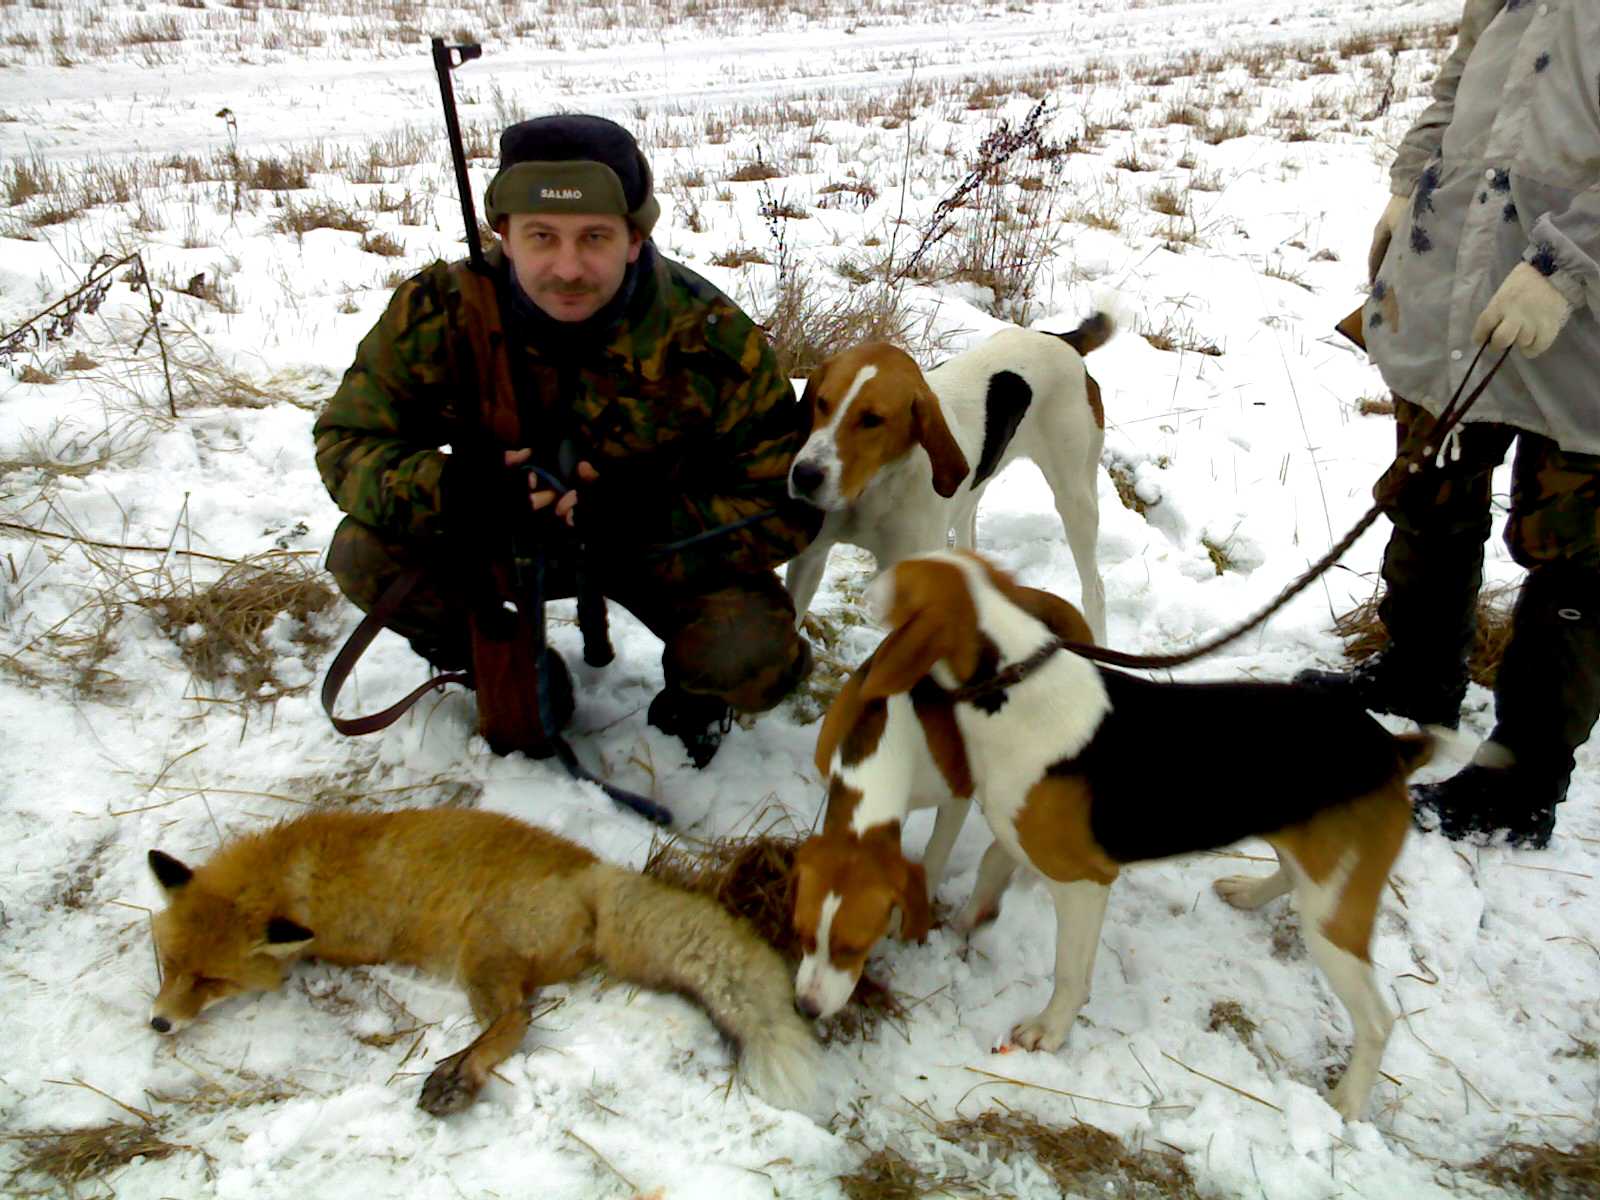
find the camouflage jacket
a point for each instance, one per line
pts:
(684, 406)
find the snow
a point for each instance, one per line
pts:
(1489, 955)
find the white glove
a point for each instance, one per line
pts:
(1383, 233)
(1526, 311)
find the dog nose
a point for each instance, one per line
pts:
(807, 1007)
(161, 1024)
(805, 478)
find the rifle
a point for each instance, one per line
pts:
(509, 649)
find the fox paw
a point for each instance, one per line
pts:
(451, 1088)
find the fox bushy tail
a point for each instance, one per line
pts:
(652, 933)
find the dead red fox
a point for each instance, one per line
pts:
(498, 905)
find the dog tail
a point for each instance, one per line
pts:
(661, 936)
(1094, 332)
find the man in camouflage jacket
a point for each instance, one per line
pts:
(1492, 234)
(657, 405)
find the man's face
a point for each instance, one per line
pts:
(570, 264)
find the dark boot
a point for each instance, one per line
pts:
(1481, 804)
(1432, 568)
(1390, 683)
(700, 722)
(1547, 697)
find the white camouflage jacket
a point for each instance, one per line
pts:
(1503, 167)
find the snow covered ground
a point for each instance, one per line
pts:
(1254, 458)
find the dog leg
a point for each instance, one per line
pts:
(1080, 910)
(1078, 506)
(1080, 517)
(802, 576)
(1353, 982)
(1337, 914)
(994, 873)
(947, 824)
(1252, 891)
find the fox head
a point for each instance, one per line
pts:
(210, 947)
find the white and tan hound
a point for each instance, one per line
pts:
(1020, 394)
(1081, 770)
(882, 758)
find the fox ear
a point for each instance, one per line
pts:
(285, 937)
(169, 872)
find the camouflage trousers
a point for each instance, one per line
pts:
(1555, 494)
(732, 638)
(1547, 689)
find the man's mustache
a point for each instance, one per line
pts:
(569, 289)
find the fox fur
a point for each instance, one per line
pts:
(499, 906)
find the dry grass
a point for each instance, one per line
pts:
(1081, 1158)
(1544, 1172)
(221, 628)
(807, 323)
(1127, 491)
(1364, 635)
(1230, 1015)
(70, 1157)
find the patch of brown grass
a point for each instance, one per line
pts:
(1230, 1015)
(69, 1157)
(220, 628)
(753, 172)
(1544, 1172)
(738, 256)
(1375, 406)
(1082, 1159)
(1127, 491)
(1364, 634)
(808, 324)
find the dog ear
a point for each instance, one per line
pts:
(912, 889)
(905, 656)
(1062, 617)
(169, 872)
(949, 464)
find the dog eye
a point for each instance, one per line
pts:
(870, 420)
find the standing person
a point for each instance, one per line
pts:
(657, 403)
(1493, 234)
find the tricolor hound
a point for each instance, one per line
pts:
(881, 758)
(1058, 752)
(1021, 393)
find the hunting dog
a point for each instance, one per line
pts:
(501, 906)
(1019, 394)
(883, 758)
(1081, 770)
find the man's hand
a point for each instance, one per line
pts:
(1383, 234)
(540, 497)
(1526, 311)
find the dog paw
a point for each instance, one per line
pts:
(451, 1088)
(969, 920)
(1245, 891)
(1038, 1034)
(1347, 1105)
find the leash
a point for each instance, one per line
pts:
(1449, 418)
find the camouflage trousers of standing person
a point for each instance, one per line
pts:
(1547, 690)
(730, 638)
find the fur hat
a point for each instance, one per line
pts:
(572, 163)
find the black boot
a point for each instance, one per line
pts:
(1482, 804)
(1389, 683)
(1546, 698)
(699, 722)
(1432, 568)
